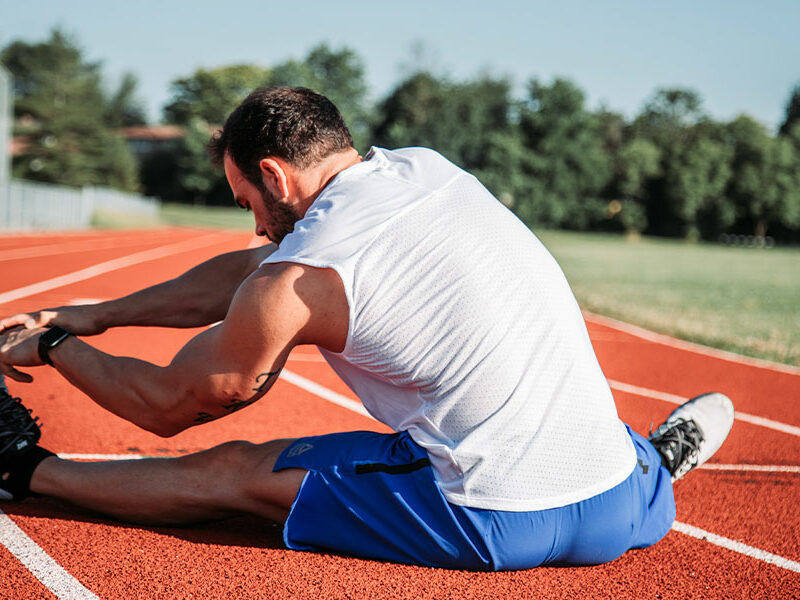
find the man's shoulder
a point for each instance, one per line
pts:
(417, 163)
(311, 296)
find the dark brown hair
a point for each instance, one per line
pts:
(296, 124)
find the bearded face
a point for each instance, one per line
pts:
(280, 218)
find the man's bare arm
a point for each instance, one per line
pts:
(219, 371)
(200, 296)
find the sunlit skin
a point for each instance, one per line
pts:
(263, 310)
(288, 192)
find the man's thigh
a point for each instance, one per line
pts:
(261, 489)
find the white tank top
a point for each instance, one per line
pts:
(463, 332)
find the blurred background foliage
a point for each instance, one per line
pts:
(671, 170)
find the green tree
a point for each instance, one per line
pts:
(697, 179)
(668, 115)
(637, 162)
(506, 170)
(792, 115)
(568, 164)
(63, 113)
(778, 202)
(211, 94)
(689, 193)
(196, 176)
(337, 74)
(124, 107)
(460, 120)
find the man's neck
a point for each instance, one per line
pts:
(315, 178)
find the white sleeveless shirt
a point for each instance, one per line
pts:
(463, 332)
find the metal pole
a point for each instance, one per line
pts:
(5, 143)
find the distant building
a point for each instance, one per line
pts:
(145, 140)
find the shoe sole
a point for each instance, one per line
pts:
(713, 414)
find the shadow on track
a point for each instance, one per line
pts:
(245, 532)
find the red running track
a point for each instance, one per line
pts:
(738, 529)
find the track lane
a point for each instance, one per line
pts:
(322, 574)
(22, 272)
(764, 508)
(17, 581)
(754, 390)
(120, 282)
(41, 238)
(87, 244)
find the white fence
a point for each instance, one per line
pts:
(27, 205)
(5, 132)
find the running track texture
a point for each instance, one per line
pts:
(737, 534)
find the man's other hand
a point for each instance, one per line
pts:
(19, 347)
(80, 320)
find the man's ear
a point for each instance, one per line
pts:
(274, 176)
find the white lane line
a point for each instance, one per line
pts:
(666, 340)
(111, 265)
(76, 246)
(69, 456)
(307, 358)
(674, 399)
(757, 468)
(739, 547)
(42, 565)
(324, 392)
(82, 301)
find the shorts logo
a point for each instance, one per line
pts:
(299, 449)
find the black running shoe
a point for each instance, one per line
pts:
(693, 433)
(19, 431)
(19, 454)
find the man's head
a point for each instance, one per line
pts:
(279, 148)
(296, 125)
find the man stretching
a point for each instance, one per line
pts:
(440, 310)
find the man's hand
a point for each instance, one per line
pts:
(80, 320)
(19, 347)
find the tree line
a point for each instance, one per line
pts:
(671, 170)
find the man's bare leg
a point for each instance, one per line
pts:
(232, 479)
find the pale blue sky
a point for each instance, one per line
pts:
(740, 56)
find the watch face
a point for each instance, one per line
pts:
(49, 340)
(53, 335)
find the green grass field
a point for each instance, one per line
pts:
(178, 214)
(738, 299)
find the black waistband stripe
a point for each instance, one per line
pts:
(392, 469)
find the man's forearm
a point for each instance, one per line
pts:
(200, 296)
(130, 388)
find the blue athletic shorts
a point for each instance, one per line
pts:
(374, 495)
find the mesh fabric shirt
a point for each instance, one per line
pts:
(464, 332)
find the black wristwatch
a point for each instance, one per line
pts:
(49, 340)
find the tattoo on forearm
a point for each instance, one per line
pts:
(238, 404)
(263, 381)
(203, 417)
(267, 379)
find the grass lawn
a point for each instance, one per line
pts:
(178, 214)
(739, 299)
(207, 216)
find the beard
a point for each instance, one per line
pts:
(281, 217)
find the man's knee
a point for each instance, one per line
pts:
(251, 484)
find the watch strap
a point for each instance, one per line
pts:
(49, 340)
